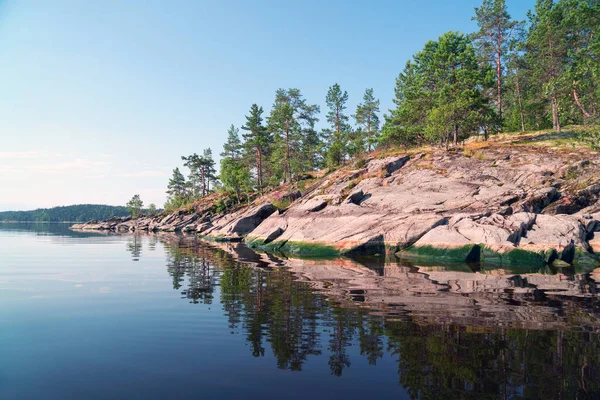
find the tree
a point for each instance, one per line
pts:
(210, 170)
(290, 119)
(177, 185)
(135, 205)
(440, 94)
(546, 54)
(152, 209)
(202, 172)
(366, 117)
(257, 140)
(233, 146)
(494, 40)
(336, 102)
(582, 21)
(235, 176)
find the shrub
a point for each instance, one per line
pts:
(360, 163)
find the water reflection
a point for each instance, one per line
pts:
(453, 333)
(444, 331)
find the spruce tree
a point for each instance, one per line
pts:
(232, 148)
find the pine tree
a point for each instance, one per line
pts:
(177, 185)
(135, 205)
(258, 141)
(202, 172)
(291, 117)
(336, 102)
(494, 40)
(440, 94)
(582, 19)
(546, 54)
(367, 119)
(209, 168)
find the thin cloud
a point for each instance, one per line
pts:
(18, 155)
(76, 166)
(7, 169)
(155, 174)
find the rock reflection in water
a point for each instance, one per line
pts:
(454, 333)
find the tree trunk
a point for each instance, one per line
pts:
(499, 85)
(259, 169)
(287, 172)
(203, 184)
(455, 131)
(520, 101)
(555, 119)
(586, 114)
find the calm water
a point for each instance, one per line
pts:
(90, 315)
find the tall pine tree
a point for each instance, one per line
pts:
(546, 54)
(497, 31)
(290, 119)
(367, 118)
(337, 134)
(258, 140)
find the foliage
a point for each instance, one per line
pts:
(258, 140)
(367, 119)
(74, 213)
(337, 134)
(508, 75)
(440, 94)
(291, 121)
(495, 41)
(135, 205)
(202, 173)
(235, 176)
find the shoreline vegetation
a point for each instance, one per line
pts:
(435, 177)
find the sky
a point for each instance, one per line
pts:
(100, 99)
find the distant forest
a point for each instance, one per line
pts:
(75, 213)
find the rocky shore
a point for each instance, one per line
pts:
(523, 199)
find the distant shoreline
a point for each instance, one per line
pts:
(39, 222)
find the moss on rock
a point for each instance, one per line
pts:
(463, 254)
(584, 261)
(302, 249)
(514, 257)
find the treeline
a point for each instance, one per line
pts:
(74, 213)
(509, 75)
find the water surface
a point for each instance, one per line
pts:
(93, 315)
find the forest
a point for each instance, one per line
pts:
(509, 75)
(74, 213)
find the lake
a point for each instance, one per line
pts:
(153, 316)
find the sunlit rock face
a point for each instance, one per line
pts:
(504, 205)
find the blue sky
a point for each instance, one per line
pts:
(101, 98)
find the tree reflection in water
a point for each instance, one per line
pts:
(275, 311)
